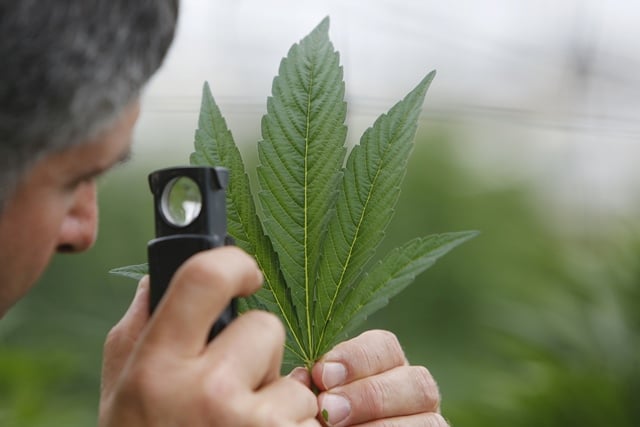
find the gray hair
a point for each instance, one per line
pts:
(68, 68)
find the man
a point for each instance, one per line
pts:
(70, 80)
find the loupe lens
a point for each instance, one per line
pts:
(181, 201)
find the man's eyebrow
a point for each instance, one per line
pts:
(94, 173)
(124, 158)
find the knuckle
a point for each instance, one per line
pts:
(217, 387)
(113, 338)
(227, 411)
(228, 268)
(268, 322)
(374, 395)
(436, 420)
(307, 399)
(117, 341)
(392, 346)
(267, 415)
(272, 413)
(221, 397)
(139, 382)
(380, 348)
(426, 386)
(423, 420)
(199, 270)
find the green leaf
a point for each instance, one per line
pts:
(388, 278)
(135, 272)
(214, 146)
(321, 221)
(370, 188)
(301, 156)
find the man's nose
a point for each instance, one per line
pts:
(80, 227)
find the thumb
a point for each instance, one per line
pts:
(124, 335)
(301, 375)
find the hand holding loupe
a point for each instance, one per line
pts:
(190, 217)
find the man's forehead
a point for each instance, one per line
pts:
(84, 160)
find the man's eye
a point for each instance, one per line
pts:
(86, 179)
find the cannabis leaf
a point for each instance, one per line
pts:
(321, 218)
(135, 272)
(301, 158)
(214, 145)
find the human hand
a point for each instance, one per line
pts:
(160, 371)
(367, 381)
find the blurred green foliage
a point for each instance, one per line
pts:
(527, 325)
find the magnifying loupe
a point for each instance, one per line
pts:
(181, 201)
(190, 217)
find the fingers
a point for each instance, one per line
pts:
(301, 375)
(367, 380)
(251, 347)
(404, 390)
(420, 420)
(123, 336)
(285, 399)
(200, 290)
(173, 377)
(369, 354)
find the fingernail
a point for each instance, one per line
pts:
(333, 374)
(335, 408)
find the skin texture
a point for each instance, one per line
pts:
(367, 381)
(54, 207)
(160, 371)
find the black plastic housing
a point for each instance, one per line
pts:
(173, 244)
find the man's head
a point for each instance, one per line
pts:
(69, 67)
(70, 78)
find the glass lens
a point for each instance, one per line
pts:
(181, 201)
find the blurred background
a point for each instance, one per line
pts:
(529, 134)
